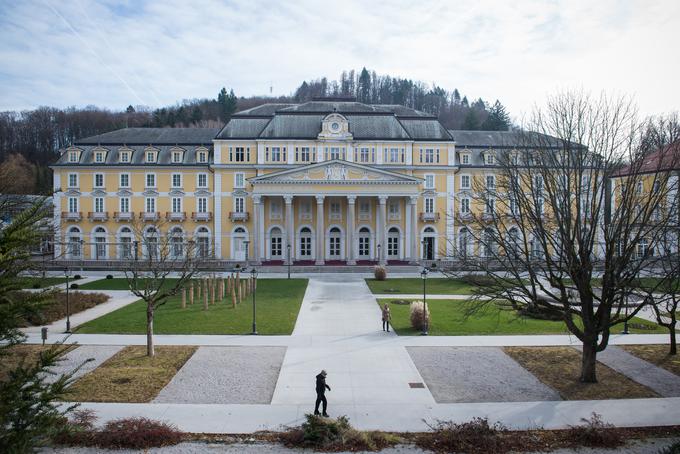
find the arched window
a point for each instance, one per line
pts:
(464, 242)
(334, 242)
(429, 239)
(74, 240)
(125, 243)
(177, 242)
(151, 242)
(513, 243)
(364, 243)
(488, 243)
(100, 243)
(203, 242)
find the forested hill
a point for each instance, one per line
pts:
(30, 140)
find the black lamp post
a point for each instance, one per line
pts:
(289, 259)
(253, 273)
(246, 243)
(379, 256)
(68, 305)
(423, 275)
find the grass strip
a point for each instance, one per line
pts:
(560, 368)
(657, 355)
(130, 375)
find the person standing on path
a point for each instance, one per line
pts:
(321, 388)
(386, 317)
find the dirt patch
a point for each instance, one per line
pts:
(55, 308)
(130, 375)
(27, 355)
(559, 368)
(655, 354)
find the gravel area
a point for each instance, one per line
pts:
(663, 382)
(226, 375)
(477, 374)
(77, 356)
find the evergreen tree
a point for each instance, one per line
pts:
(498, 119)
(464, 102)
(471, 122)
(130, 109)
(228, 104)
(456, 96)
(364, 86)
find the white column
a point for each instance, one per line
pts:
(382, 216)
(260, 233)
(413, 200)
(257, 201)
(217, 223)
(408, 230)
(289, 227)
(351, 199)
(450, 218)
(320, 247)
(56, 185)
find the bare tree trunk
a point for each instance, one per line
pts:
(674, 346)
(149, 332)
(588, 361)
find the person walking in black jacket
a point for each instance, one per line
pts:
(321, 388)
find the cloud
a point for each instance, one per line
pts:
(112, 53)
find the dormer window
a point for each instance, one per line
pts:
(489, 159)
(465, 158)
(202, 157)
(150, 156)
(176, 157)
(124, 156)
(73, 156)
(99, 157)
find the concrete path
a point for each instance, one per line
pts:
(97, 354)
(663, 382)
(340, 324)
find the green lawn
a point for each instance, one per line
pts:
(448, 319)
(29, 282)
(435, 286)
(278, 304)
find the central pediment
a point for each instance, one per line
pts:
(335, 172)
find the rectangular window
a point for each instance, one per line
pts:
(240, 155)
(239, 180)
(335, 152)
(429, 205)
(98, 180)
(124, 205)
(393, 210)
(176, 205)
(202, 203)
(465, 181)
(150, 180)
(72, 180)
(489, 159)
(202, 180)
(335, 209)
(489, 205)
(304, 154)
(490, 182)
(429, 181)
(364, 209)
(202, 157)
(465, 206)
(73, 156)
(275, 210)
(72, 204)
(364, 155)
(176, 180)
(150, 205)
(276, 154)
(429, 155)
(239, 205)
(176, 157)
(99, 204)
(394, 155)
(125, 156)
(124, 180)
(99, 157)
(465, 159)
(150, 156)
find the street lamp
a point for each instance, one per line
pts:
(68, 305)
(288, 249)
(253, 273)
(423, 275)
(379, 255)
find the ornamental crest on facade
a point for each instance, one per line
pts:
(336, 172)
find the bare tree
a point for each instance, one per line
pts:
(161, 264)
(570, 201)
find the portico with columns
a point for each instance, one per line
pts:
(335, 212)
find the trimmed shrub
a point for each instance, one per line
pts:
(380, 273)
(479, 280)
(109, 276)
(595, 432)
(335, 435)
(416, 315)
(75, 286)
(36, 285)
(77, 276)
(476, 436)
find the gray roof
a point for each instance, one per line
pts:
(303, 121)
(503, 139)
(156, 136)
(137, 158)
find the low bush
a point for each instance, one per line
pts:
(109, 276)
(36, 285)
(335, 435)
(478, 280)
(380, 273)
(416, 315)
(75, 286)
(474, 437)
(126, 433)
(77, 276)
(595, 432)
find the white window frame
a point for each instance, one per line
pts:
(429, 204)
(99, 204)
(239, 154)
(239, 180)
(74, 177)
(124, 204)
(124, 157)
(429, 156)
(431, 178)
(335, 208)
(492, 179)
(202, 157)
(198, 180)
(465, 205)
(150, 156)
(465, 158)
(394, 156)
(120, 180)
(150, 202)
(276, 154)
(465, 182)
(94, 180)
(489, 159)
(305, 154)
(146, 180)
(176, 157)
(73, 156)
(202, 204)
(177, 184)
(99, 157)
(239, 204)
(176, 204)
(73, 205)
(275, 209)
(394, 209)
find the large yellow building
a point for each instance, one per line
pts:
(328, 182)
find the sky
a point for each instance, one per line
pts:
(154, 53)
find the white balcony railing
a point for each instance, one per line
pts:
(176, 216)
(71, 215)
(98, 216)
(122, 216)
(149, 215)
(201, 216)
(429, 217)
(238, 216)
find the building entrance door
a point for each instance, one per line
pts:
(364, 244)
